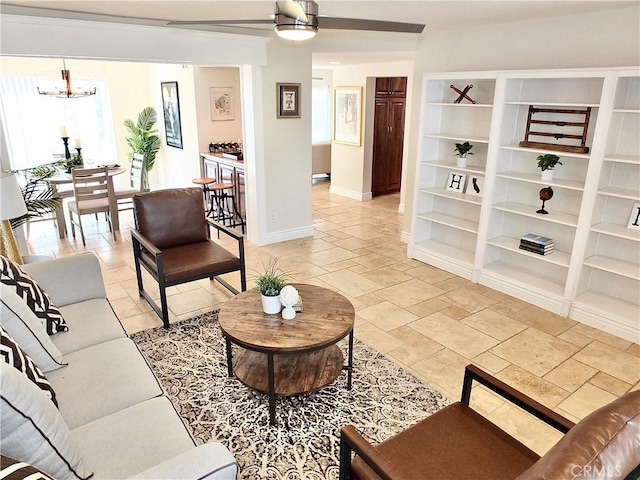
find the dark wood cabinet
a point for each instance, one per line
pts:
(391, 87)
(388, 136)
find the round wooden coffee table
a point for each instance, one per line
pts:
(288, 357)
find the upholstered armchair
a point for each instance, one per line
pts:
(172, 242)
(457, 443)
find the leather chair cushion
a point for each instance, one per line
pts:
(196, 260)
(454, 443)
(169, 218)
(605, 444)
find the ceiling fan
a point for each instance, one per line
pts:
(299, 20)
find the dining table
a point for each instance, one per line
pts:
(64, 178)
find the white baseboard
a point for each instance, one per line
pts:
(285, 235)
(343, 192)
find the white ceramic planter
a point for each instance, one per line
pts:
(547, 175)
(271, 305)
(461, 162)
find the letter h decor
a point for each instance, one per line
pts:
(456, 181)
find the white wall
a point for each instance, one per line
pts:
(602, 39)
(351, 165)
(220, 130)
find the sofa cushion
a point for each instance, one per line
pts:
(101, 380)
(23, 325)
(133, 439)
(33, 430)
(605, 444)
(91, 322)
(37, 299)
(12, 469)
(13, 355)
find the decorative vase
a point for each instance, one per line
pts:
(461, 162)
(547, 175)
(271, 305)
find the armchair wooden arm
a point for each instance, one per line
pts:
(455, 442)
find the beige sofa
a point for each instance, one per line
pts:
(113, 419)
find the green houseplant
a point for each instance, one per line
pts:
(269, 283)
(143, 138)
(462, 150)
(547, 163)
(39, 195)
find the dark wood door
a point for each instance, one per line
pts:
(388, 138)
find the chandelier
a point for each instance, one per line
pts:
(65, 90)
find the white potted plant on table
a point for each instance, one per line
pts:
(269, 283)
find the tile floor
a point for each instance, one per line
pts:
(430, 321)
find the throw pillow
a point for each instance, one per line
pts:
(13, 355)
(33, 430)
(37, 299)
(11, 469)
(22, 324)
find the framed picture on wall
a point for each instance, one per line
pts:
(288, 95)
(221, 101)
(171, 110)
(347, 115)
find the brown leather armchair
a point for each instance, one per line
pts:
(172, 242)
(459, 443)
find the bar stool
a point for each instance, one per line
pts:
(204, 182)
(224, 199)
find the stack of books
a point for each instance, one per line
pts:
(536, 244)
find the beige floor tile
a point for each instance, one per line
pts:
(600, 336)
(387, 316)
(187, 302)
(537, 388)
(634, 349)
(544, 320)
(494, 324)
(454, 335)
(535, 351)
(445, 370)
(585, 400)
(570, 375)
(610, 384)
(415, 347)
(490, 362)
(575, 338)
(428, 307)
(376, 337)
(468, 300)
(386, 276)
(454, 312)
(409, 293)
(610, 360)
(429, 274)
(332, 255)
(350, 282)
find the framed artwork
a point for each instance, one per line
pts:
(456, 181)
(347, 115)
(475, 185)
(288, 95)
(171, 110)
(634, 218)
(221, 101)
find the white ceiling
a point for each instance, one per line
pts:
(433, 14)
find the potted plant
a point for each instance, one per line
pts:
(547, 164)
(462, 150)
(144, 139)
(269, 283)
(39, 195)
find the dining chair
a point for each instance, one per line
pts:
(91, 193)
(124, 193)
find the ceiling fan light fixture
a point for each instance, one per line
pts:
(297, 33)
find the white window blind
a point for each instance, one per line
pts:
(321, 114)
(32, 123)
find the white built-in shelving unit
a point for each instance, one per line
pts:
(593, 275)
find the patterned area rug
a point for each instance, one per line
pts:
(189, 359)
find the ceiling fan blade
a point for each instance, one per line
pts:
(268, 21)
(374, 25)
(292, 9)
